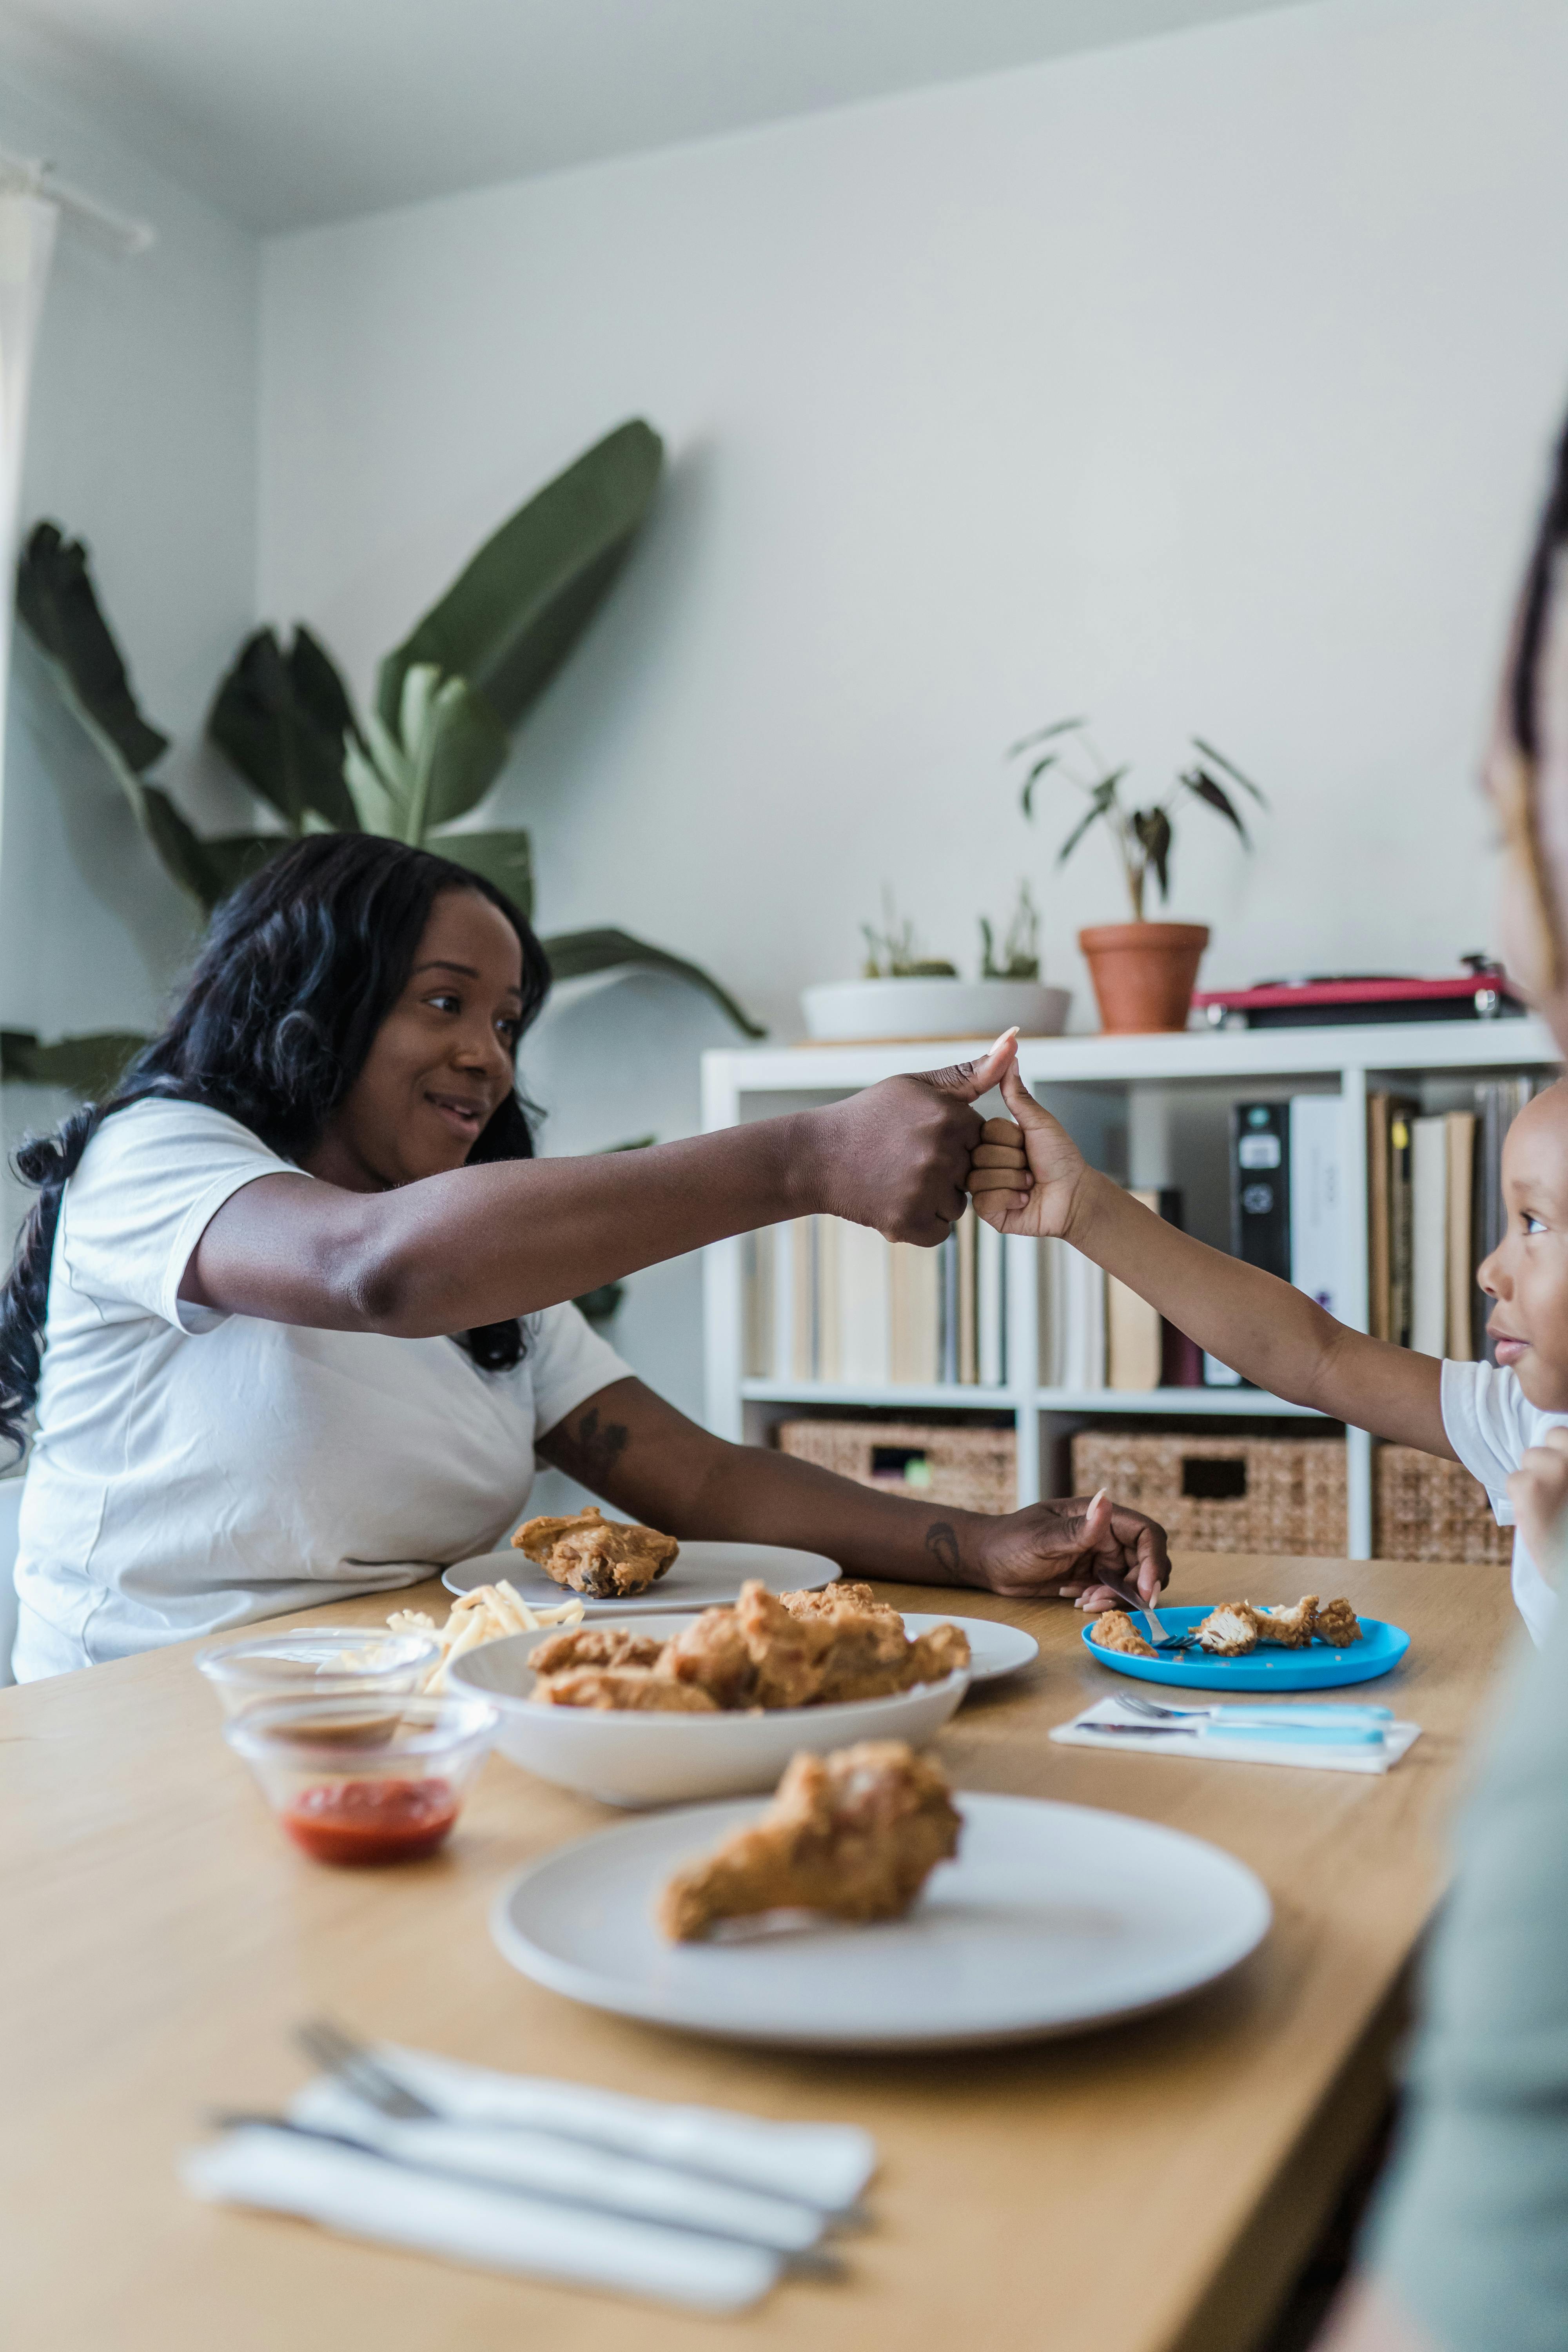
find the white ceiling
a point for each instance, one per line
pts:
(284, 113)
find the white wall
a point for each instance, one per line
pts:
(1204, 385)
(142, 438)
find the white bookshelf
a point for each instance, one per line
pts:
(1155, 1093)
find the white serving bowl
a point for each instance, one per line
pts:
(667, 1759)
(844, 1011)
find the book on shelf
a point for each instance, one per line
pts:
(830, 1302)
(1435, 1210)
(1097, 1333)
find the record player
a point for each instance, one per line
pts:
(1483, 992)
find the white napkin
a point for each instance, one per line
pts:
(1086, 1731)
(514, 2158)
(823, 2165)
(493, 2228)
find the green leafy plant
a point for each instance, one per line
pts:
(86, 1065)
(1020, 957)
(1143, 837)
(448, 702)
(892, 952)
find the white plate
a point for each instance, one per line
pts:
(668, 1760)
(703, 1575)
(993, 1650)
(1054, 1917)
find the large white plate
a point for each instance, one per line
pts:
(668, 1759)
(1053, 1917)
(702, 1576)
(993, 1649)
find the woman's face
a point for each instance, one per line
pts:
(441, 1060)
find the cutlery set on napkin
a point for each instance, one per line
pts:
(1327, 1737)
(691, 2206)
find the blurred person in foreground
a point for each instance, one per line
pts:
(1467, 2247)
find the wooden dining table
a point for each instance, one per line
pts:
(1151, 2187)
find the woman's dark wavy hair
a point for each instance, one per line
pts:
(299, 970)
(1535, 606)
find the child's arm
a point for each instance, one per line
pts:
(1273, 1334)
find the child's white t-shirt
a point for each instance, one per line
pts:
(193, 1470)
(1492, 1425)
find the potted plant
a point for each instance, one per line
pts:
(903, 993)
(1143, 971)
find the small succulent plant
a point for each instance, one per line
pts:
(1144, 837)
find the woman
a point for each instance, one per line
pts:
(1469, 2250)
(246, 1266)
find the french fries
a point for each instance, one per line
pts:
(482, 1615)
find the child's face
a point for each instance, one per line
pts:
(1527, 1274)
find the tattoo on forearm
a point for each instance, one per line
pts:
(942, 1545)
(594, 1450)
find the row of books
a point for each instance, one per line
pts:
(835, 1302)
(832, 1302)
(1435, 1210)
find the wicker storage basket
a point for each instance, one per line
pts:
(1427, 1509)
(969, 1469)
(1225, 1494)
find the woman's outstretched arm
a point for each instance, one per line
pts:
(479, 1244)
(627, 1445)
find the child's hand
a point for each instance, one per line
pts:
(1026, 1169)
(1539, 1493)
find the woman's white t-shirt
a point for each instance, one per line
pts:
(193, 1470)
(1491, 1424)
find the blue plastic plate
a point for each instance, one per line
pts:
(1380, 1649)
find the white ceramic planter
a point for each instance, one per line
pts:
(842, 1011)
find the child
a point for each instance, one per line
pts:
(1030, 1178)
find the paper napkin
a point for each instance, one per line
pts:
(363, 2196)
(1088, 1730)
(824, 2165)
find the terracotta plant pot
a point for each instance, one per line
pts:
(1144, 972)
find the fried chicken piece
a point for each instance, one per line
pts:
(1291, 1629)
(854, 1834)
(630, 1689)
(937, 1654)
(600, 1556)
(1230, 1631)
(789, 1652)
(713, 1655)
(594, 1645)
(1115, 1630)
(1338, 1625)
(833, 1597)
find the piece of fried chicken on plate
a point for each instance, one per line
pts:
(628, 1689)
(1228, 1632)
(603, 1557)
(789, 1652)
(1338, 1625)
(1291, 1629)
(594, 1645)
(1115, 1630)
(854, 1834)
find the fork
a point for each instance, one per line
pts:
(1352, 1717)
(363, 2073)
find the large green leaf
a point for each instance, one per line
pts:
(208, 867)
(458, 748)
(504, 859)
(515, 611)
(283, 718)
(577, 955)
(88, 1066)
(56, 599)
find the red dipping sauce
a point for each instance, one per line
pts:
(372, 1820)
